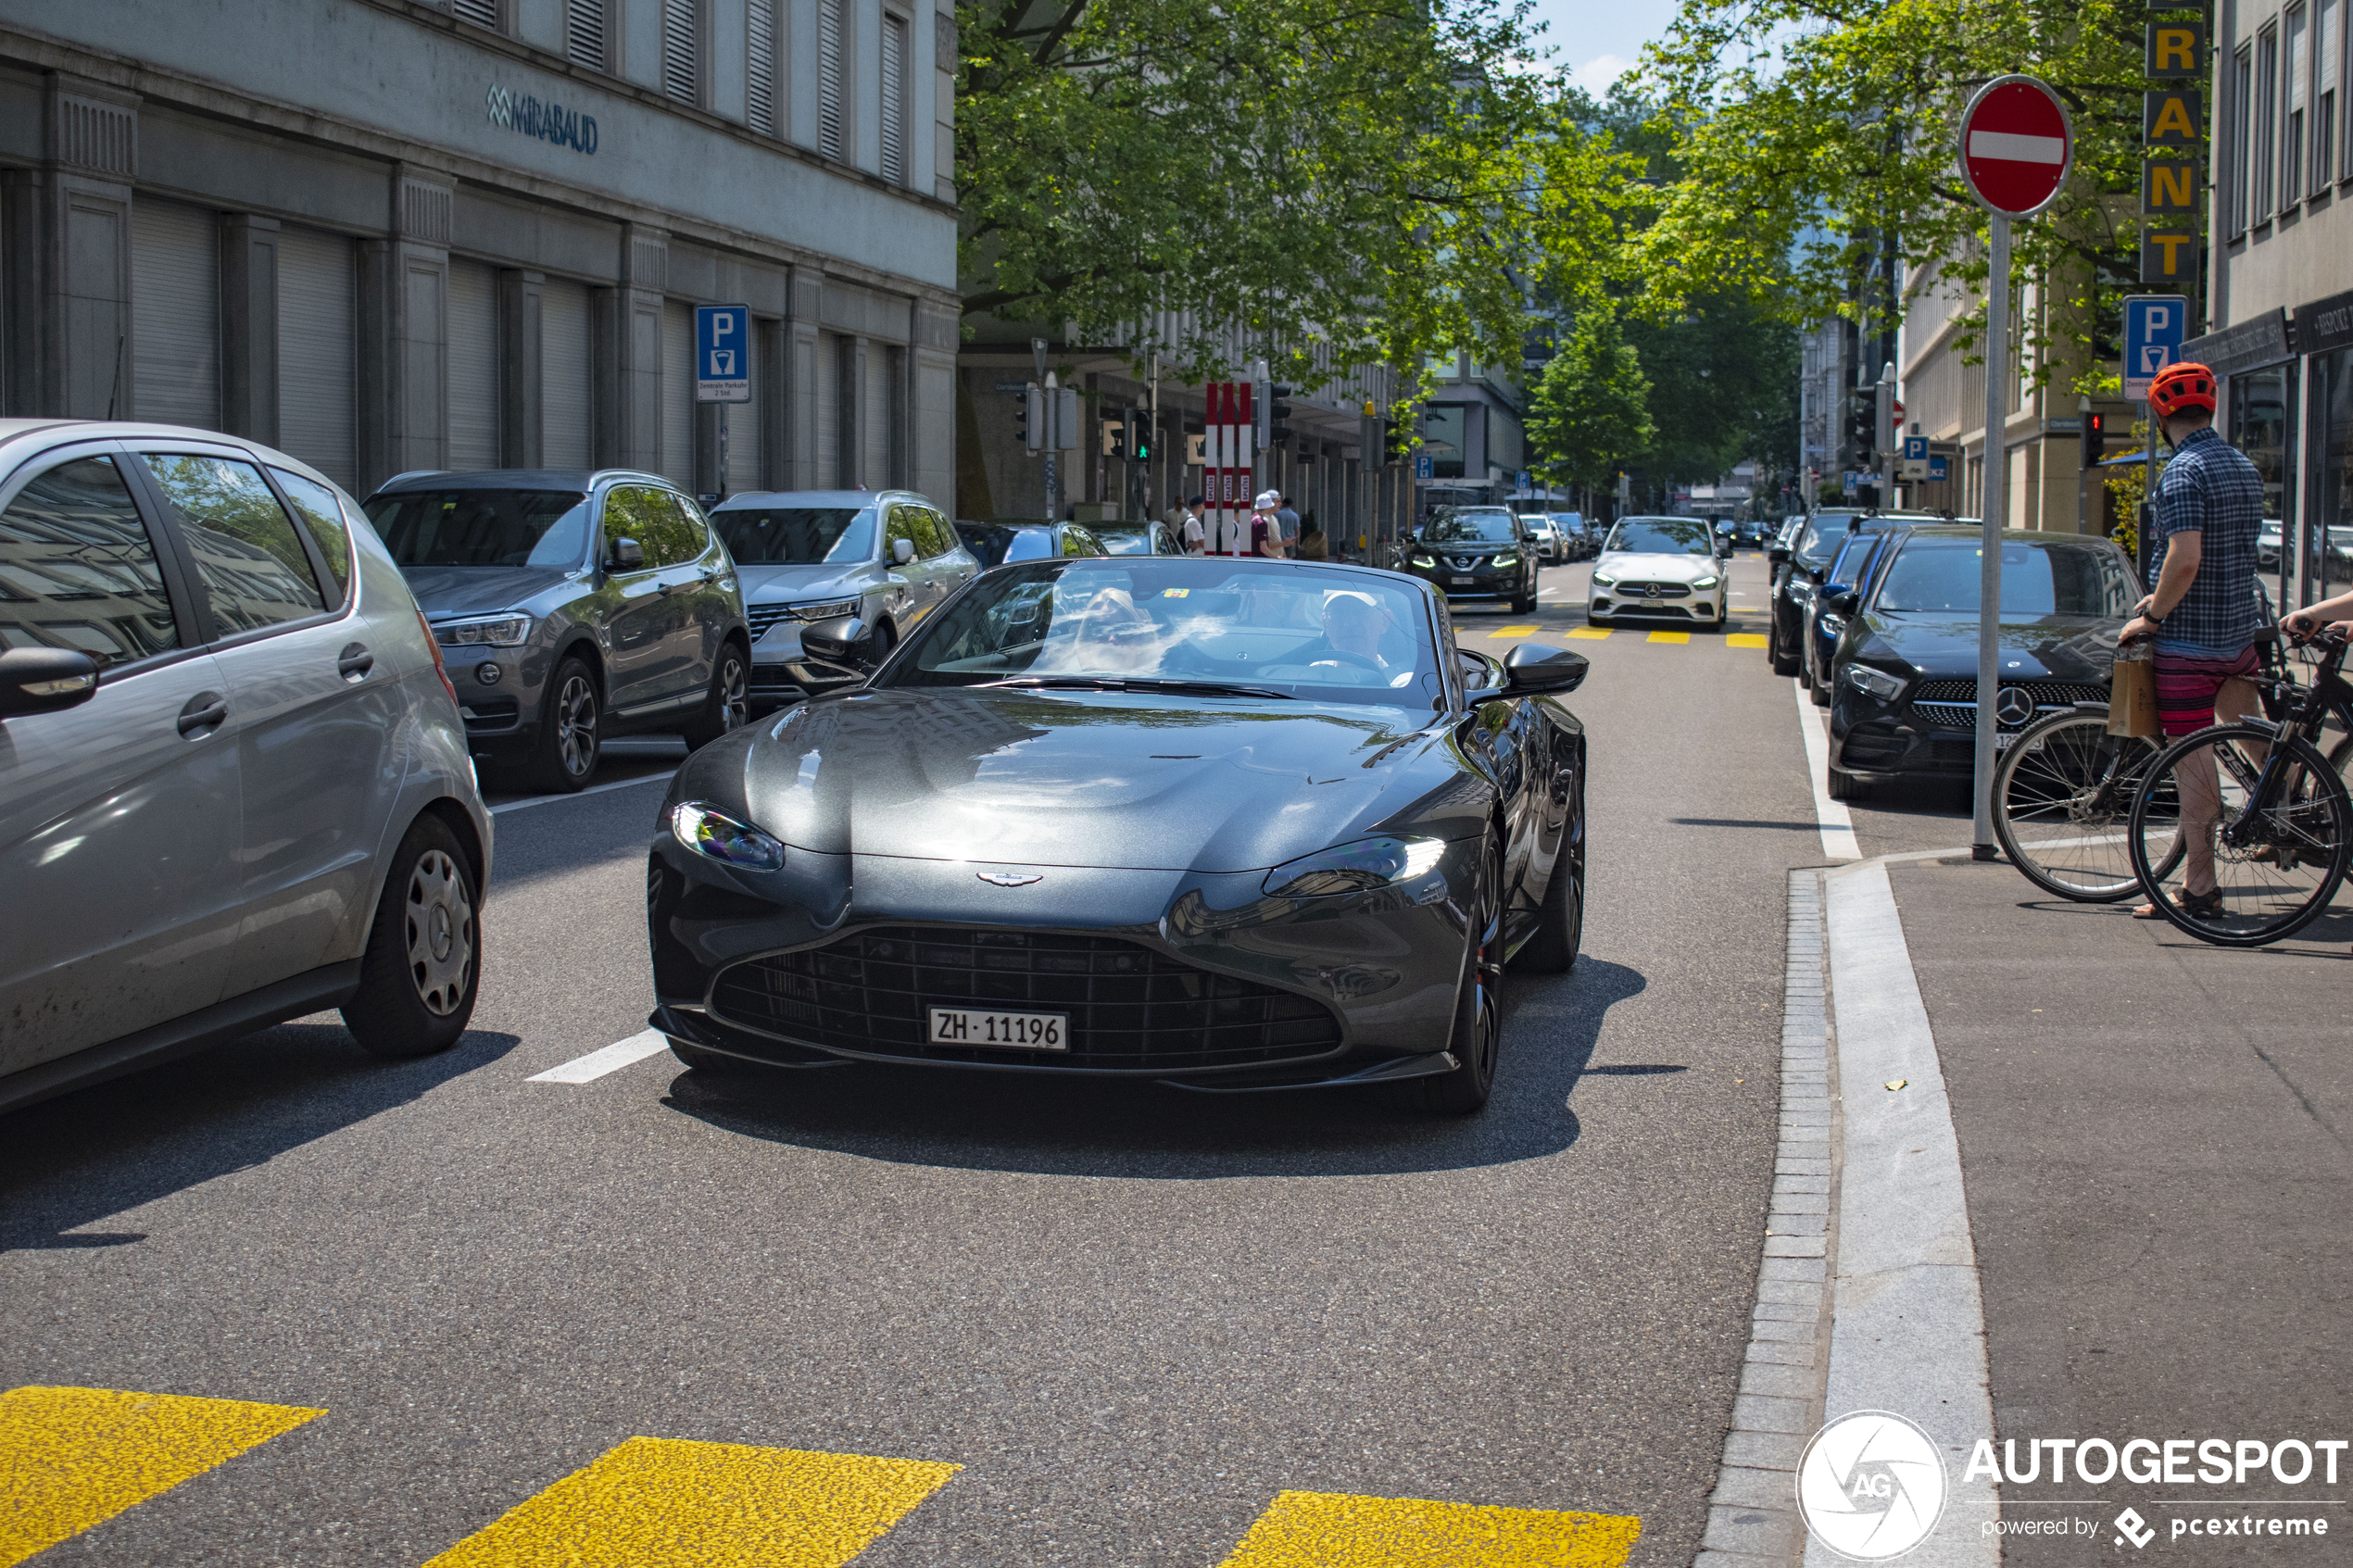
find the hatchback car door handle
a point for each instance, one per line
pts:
(354, 662)
(202, 714)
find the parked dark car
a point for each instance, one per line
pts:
(1904, 689)
(1475, 553)
(1752, 533)
(1849, 570)
(1797, 571)
(572, 606)
(912, 873)
(996, 544)
(806, 556)
(1134, 539)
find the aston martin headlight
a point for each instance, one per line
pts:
(1603, 580)
(484, 631)
(721, 837)
(832, 609)
(1705, 582)
(1354, 868)
(1876, 683)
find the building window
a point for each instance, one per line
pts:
(2326, 26)
(894, 99)
(584, 33)
(2292, 133)
(833, 28)
(760, 67)
(482, 13)
(2267, 122)
(2239, 170)
(681, 51)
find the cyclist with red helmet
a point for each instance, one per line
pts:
(2202, 609)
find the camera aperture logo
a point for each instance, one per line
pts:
(1872, 1485)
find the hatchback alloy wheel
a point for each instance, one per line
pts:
(439, 917)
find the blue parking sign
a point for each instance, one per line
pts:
(2154, 327)
(1422, 466)
(722, 352)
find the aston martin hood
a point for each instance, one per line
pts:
(1086, 778)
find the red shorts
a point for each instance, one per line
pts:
(2186, 687)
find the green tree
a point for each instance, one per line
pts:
(1337, 181)
(1590, 412)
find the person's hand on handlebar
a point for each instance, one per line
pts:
(2303, 624)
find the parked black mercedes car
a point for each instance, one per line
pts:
(1229, 825)
(1473, 553)
(1904, 687)
(1798, 570)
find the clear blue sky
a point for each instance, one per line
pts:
(1600, 39)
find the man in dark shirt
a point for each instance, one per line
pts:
(2202, 609)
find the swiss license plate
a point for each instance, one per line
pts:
(2003, 742)
(1463, 580)
(1004, 1031)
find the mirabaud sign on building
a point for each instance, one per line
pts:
(383, 237)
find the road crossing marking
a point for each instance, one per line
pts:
(1668, 637)
(1597, 632)
(1334, 1530)
(605, 1059)
(1514, 631)
(74, 1458)
(1745, 640)
(664, 1503)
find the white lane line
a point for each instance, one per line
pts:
(611, 1059)
(1838, 827)
(1907, 1331)
(576, 795)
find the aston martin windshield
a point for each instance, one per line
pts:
(1662, 537)
(1470, 527)
(1204, 627)
(485, 527)
(1945, 577)
(795, 535)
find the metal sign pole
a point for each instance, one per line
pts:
(1997, 497)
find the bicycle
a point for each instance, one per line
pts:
(2270, 807)
(2062, 796)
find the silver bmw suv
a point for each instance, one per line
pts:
(233, 782)
(572, 606)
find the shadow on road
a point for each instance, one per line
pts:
(129, 1141)
(1081, 1127)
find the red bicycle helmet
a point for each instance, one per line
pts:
(2185, 385)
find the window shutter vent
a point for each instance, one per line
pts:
(829, 46)
(678, 73)
(894, 100)
(584, 32)
(760, 67)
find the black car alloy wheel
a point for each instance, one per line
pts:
(1479, 1006)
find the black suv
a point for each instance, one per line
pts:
(571, 605)
(1798, 567)
(1477, 553)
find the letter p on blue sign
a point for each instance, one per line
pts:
(722, 352)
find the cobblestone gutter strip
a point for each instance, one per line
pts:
(1752, 1519)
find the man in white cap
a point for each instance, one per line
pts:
(1265, 526)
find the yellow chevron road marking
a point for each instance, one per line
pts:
(1744, 640)
(1669, 638)
(1333, 1530)
(662, 1502)
(72, 1458)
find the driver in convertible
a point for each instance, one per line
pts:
(1359, 634)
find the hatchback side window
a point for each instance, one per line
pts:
(78, 570)
(900, 524)
(252, 563)
(316, 508)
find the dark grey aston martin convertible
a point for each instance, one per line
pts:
(1230, 825)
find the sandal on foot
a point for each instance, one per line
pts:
(2202, 905)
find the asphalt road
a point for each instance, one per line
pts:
(1131, 1315)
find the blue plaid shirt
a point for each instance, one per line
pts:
(2211, 489)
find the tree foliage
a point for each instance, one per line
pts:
(1343, 180)
(1590, 412)
(1810, 134)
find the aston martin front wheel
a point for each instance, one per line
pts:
(1479, 1001)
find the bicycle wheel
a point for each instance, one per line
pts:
(2062, 801)
(2276, 861)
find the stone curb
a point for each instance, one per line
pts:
(1752, 1517)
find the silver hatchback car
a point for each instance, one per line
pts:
(888, 556)
(234, 782)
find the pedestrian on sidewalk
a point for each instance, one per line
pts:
(1191, 537)
(1265, 526)
(1290, 519)
(2202, 609)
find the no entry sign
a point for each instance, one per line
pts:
(2016, 146)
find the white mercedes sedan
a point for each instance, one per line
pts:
(1662, 569)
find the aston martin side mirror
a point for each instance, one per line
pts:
(1532, 670)
(44, 680)
(845, 640)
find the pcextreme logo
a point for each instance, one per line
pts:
(1872, 1485)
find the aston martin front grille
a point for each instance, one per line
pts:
(1131, 1008)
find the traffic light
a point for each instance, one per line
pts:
(1277, 410)
(1116, 435)
(2095, 439)
(1140, 435)
(1862, 426)
(1030, 418)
